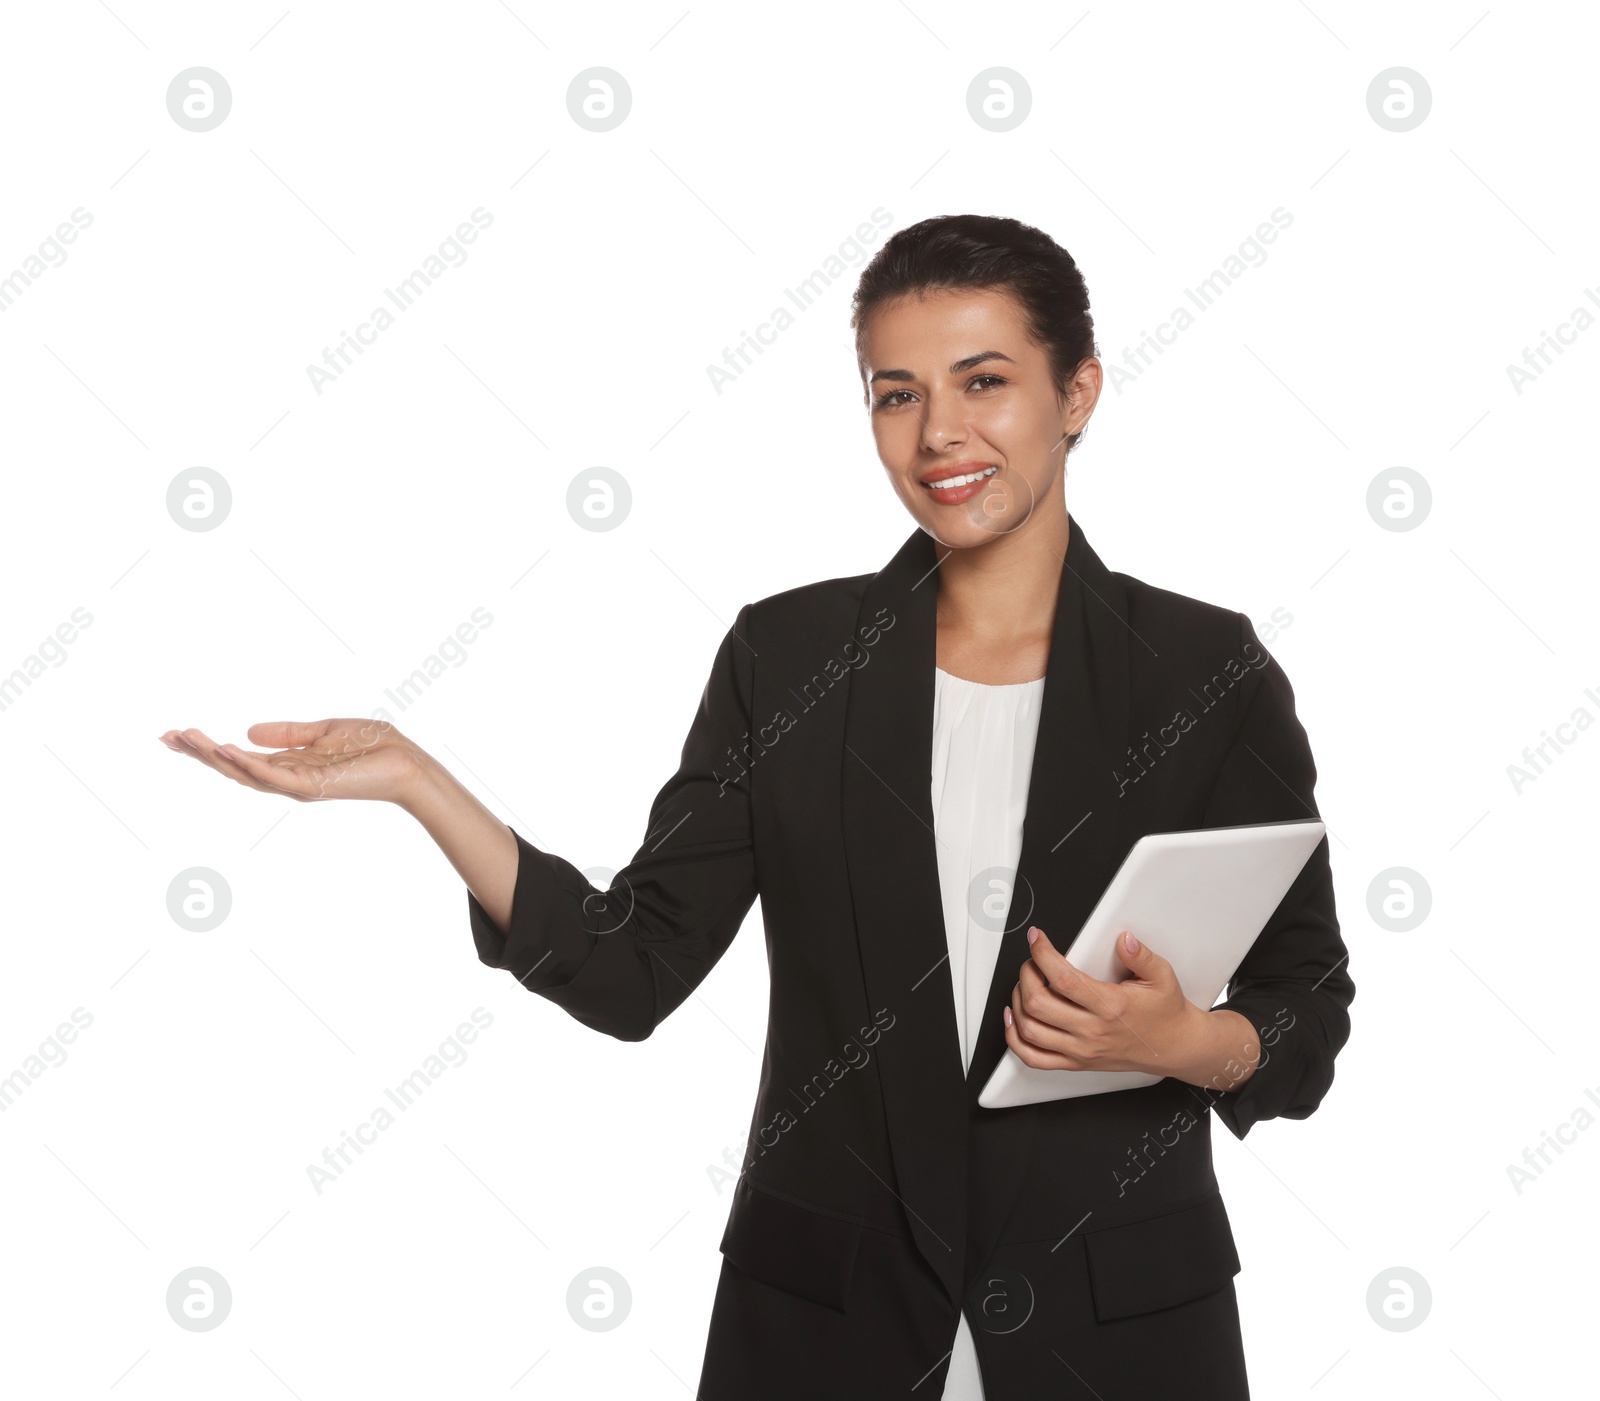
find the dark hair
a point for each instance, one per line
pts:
(980, 251)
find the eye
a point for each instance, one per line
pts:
(892, 399)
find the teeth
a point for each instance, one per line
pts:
(947, 482)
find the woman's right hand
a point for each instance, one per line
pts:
(315, 759)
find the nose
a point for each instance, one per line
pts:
(943, 423)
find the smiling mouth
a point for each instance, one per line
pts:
(965, 479)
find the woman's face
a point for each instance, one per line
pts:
(956, 388)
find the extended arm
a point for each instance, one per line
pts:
(619, 960)
(478, 844)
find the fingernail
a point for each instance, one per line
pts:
(1133, 943)
(1033, 933)
(1006, 1013)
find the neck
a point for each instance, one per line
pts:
(1006, 589)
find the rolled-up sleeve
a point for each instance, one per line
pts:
(622, 959)
(1294, 985)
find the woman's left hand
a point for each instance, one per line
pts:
(1062, 1019)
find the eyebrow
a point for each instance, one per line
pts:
(956, 369)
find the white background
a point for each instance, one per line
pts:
(370, 520)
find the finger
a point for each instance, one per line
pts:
(203, 747)
(1143, 961)
(243, 775)
(287, 734)
(1033, 1055)
(1072, 983)
(1039, 1032)
(210, 752)
(291, 777)
(1035, 996)
(181, 745)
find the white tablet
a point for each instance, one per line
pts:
(1200, 900)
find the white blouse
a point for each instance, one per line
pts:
(983, 741)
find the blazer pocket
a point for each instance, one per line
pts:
(1162, 1260)
(801, 1249)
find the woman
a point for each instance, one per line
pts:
(864, 756)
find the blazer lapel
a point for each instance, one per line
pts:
(893, 866)
(1075, 831)
(1074, 835)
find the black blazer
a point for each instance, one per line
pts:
(1085, 1238)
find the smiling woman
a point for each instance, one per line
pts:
(923, 846)
(976, 350)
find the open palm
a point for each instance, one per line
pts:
(315, 760)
